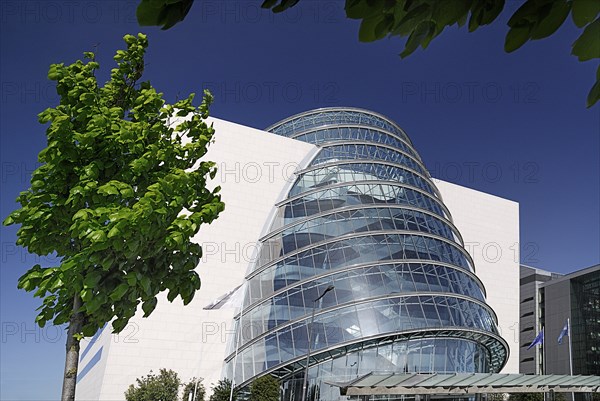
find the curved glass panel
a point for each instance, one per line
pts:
(335, 134)
(362, 320)
(355, 285)
(390, 278)
(324, 200)
(353, 172)
(361, 151)
(320, 118)
(426, 355)
(365, 219)
(363, 249)
(344, 222)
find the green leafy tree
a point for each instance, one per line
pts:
(163, 387)
(196, 387)
(420, 21)
(222, 391)
(115, 198)
(265, 388)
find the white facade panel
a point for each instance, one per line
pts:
(490, 228)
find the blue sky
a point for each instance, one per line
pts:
(513, 125)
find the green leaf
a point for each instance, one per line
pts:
(86, 294)
(127, 192)
(149, 306)
(119, 292)
(552, 21)
(491, 11)
(108, 189)
(171, 295)
(97, 236)
(145, 283)
(131, 279)
(284, 5)
(594, 94)
(92, 279)
(40, 320)
(527, 14)
(587, 46)
(162, 12)
(421, 35)
(268, 3)
(361, 9)
(93, 305)
(449, 12)
(114, 232)
(516, 37)
(366, 32)
(81, 214)
(148, 13)
(53, 74)
(119, 324)
(584, 11)
(417, 14)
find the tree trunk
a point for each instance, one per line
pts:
(72, 358)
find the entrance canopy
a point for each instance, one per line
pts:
(466, 383)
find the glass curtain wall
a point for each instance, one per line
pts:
(365, 218)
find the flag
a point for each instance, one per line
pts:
(563, 332)
(539, 339)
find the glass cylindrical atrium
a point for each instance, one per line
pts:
(365, 217)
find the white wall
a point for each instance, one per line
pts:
(255, 168)
(490, 228)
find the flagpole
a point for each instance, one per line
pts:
(543, 351)
(544, 354)
(569, 332)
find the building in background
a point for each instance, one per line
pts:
(548, 300)
(531, 312)
(330, 197)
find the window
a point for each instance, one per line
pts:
(527, 314)
(526, 329)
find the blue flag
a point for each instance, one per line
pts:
(564, 332)
(539, 339)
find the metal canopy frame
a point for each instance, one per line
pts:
(466, 383)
